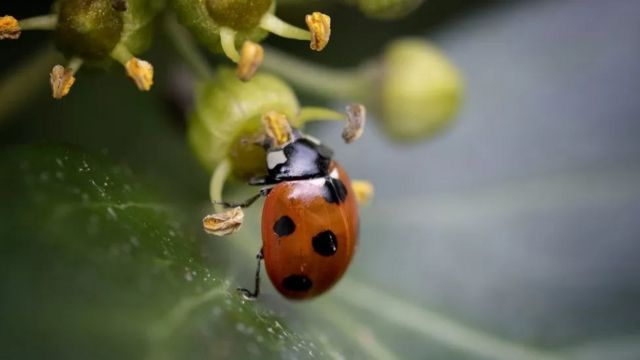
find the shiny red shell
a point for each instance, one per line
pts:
(298, 261)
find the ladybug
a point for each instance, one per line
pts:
(310, 218)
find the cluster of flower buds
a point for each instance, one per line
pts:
(94, 32)
(226, 25)
(99, 31)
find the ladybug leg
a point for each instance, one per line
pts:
(246, 203)
(246, 293)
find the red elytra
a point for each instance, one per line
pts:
(309, 233)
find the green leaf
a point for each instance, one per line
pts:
(94, 265)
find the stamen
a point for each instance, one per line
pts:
(228, 42)
(141, 72)
(363, 190)
(43, 22)
(224, 223)
(274, 25)
(62, 78)
(9, 28)
(320, 27)
(277, 128)
(356, 118)
(251, 56)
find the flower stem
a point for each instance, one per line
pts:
(218, 178)
(320, 81)
(121, 54)
(44, 22)
(228, 42)
(188, 50)
(274, 25)
(311, 113)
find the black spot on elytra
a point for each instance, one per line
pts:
(334, 190)
(325, 243)
(297, 283)
(284, 226)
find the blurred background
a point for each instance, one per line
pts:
(513, 234)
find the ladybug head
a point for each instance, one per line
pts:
(302, 157)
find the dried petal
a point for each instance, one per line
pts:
(9, 28)
(363, 190)
(320, 27)
(61, 80)
(251, 56)
(223, 223)
(356, 118)
(141, 72)
(277, 127)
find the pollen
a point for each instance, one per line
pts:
(141, 72)
(61, 80)
(356, 118)
(277, 127)
(9, 28)
(363, 191)
(224, 223)
(251, 56)
(320, 27)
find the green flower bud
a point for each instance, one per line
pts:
(225, 122)
(420, 90)
(386, 9)
(205, 17)
(238, 14)
(91, 29)
(88, 28)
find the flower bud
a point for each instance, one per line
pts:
(240, 15)
(226, 121)
(198, 18)
(387, 9)
(420, 90)
(88, 29)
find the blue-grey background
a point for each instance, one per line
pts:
(522, 220)
(524, 217)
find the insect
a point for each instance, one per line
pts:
(310, 218)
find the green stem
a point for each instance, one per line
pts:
(44, 22)
(219, 177)
(188, 50)
(21, 84)
(321, 81)
(274, 25)
(121, 54)
(228, 42)
(311, 113)
(75, 63)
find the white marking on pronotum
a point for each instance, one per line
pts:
(275, 158)
(317, 181)
(334, 173)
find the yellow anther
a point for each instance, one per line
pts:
(141, 72)
(320, 27)
(61, 80)
(224, 223)
(277, 127)
(363, 190)
(9, 28)
(251, 56)
(356, 118)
